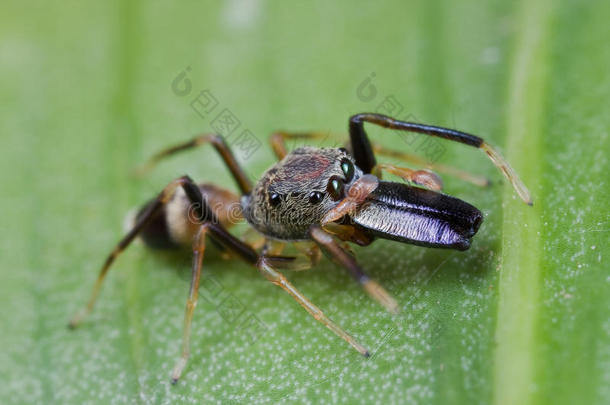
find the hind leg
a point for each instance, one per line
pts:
(191, 302)
(162, 199)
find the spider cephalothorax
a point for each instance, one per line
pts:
(298, 191)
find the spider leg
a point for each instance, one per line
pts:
(356, 195)
(480, 181)
(278, 140)
(425, 178)
(219, 234)
(365, 158)
(280, 280)
(191, 302)
(347, 261)
(309, 250)
(265, 266)
(307, 256)
(221, 147)
(153, 208)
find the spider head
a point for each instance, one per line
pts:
(298, 191)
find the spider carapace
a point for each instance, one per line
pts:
(320, 199)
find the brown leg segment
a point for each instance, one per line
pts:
(191, 302)
(421, 162)
(210, 225)
(162, 199)
(264, 265)
(334, 249)
(311, 251)
(278, 140)
(423, 178)
(308, 255)
(278, 279)
(221, 147)
(356, 195)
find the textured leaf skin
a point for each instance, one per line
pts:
(523, 316)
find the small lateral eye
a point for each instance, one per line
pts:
(335, 188)
(315, 197)
(275, 199)
(348, 169)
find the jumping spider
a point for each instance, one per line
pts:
(325, 196)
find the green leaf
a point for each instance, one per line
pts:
(522, 317)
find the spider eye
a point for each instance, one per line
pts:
(348, 169)
(315, 197)
(335, 188)
(275, 199)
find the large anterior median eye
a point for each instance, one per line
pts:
(335, 188)
(348, 169)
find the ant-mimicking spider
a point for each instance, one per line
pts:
(323, 196)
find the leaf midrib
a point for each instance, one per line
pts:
(520, 283)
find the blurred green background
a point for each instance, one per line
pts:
(86, 95)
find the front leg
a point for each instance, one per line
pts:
(347, 261)
(277, 278)
(365, 158)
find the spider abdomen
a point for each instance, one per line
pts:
(176, 223)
